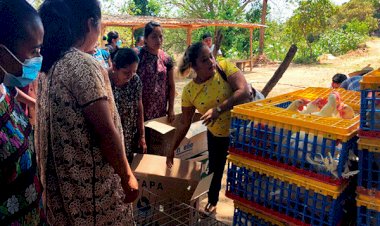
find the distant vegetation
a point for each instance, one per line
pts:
(317, 26)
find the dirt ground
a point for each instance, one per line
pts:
(296, 77)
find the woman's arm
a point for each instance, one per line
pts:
(171, 114)
(141, 127)
(25, 98)
(241, 93)
(99, 117)
(182, 128)
(109, 62)
(240, 90)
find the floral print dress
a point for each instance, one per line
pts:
(127, 100)
(81, 186)
(20, 188)
(153, 72)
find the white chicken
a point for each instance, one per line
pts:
(331, 108)
(296, 154)
(297, 105)
(347, 112)
(314, 106)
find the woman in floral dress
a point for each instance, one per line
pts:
(156, 73)
(20, 189)
(84, 169)
(126, 87)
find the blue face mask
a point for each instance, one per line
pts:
(118, 43)
(30, 69)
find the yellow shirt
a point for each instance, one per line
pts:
(211, 94)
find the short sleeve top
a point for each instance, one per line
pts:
(211, 94)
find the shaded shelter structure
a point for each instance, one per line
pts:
(136, 22)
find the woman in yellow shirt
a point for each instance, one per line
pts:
(213, 97)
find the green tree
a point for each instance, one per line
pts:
(235, 40)
(211, 9)
(144, 8)
(358, 12)
(309, 20)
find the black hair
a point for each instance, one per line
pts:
(65, 23)
(206, 35)
(339, 78)
(104, 38)
(15, 17)
(112, 35)
(149, 27)
(125, 57)
(190, 56)
(139, 38)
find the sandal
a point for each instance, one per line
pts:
(210, 209)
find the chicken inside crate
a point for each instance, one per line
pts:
(290, 197)
(292, 131)
(370, 105)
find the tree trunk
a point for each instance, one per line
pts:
(280, 71)
(217, 41)
(311, 52)
(262, 30)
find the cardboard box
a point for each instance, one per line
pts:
(160, 137)
(182, 182)
(203, 159)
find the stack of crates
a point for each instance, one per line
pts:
(368, 190)
(290, 166)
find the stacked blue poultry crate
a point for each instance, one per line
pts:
(289, 166)
(368, 190)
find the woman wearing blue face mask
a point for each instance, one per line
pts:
(113, 42)
(20, 62)
(30, 69)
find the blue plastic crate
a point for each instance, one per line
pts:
(289, 199)
(369, 170)
(301, 150)
(242, 218)
(370, 110)
(367, 217)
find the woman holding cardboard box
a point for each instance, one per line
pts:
(217, 87)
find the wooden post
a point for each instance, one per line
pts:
(102, 33)
(133, 31)
(189, 32)
(250, 48)
(262, 29)
(280, 71)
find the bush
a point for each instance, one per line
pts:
(359, 27)
(338, 42)
(335, 42)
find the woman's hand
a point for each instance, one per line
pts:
(171, 115)
(131, 189)
(142, 145)
(210, 116)
(170, 160)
